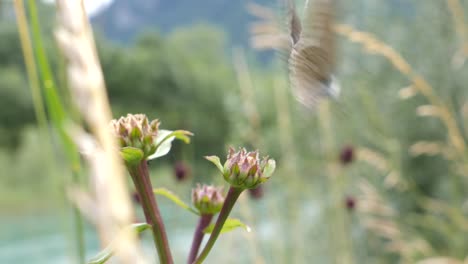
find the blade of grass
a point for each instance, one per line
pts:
(56, 111)
(31, 70)
(58, 118)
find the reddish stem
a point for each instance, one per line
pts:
(141, 179)
(198, 236)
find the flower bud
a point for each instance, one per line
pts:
(136, 197)
(137, 132)
(347, 155)
(244, 169)
(181, 171)
(207, 199)
(350, 203)
(257, 192)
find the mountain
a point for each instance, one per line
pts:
(124, 19)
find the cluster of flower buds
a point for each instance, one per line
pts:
(137, 132)
(244, 169)
(207, 199)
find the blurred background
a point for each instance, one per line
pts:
(380, 177)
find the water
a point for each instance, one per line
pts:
(40, 239)
(32, 239)
(43, 238)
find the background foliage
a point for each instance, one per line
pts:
(169, 68)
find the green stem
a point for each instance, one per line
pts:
(141, 179)
(231, 199)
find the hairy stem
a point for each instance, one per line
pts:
(198, 236)
(141, 179)
(231, 199)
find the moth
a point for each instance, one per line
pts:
(311, 60)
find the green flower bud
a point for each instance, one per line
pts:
(207, 199)
(244, 169)
(137, 132)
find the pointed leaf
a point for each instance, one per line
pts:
(102, 256)
(215, 160)
(140, 227)
(107, 252)
(183, 135)
(229, 225)
(171, 196)
(131, 156)
(164, 141)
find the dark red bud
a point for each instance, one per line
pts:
(347, 155)
(136, 197)
(181, 171)
(350, 203)
(257, 193)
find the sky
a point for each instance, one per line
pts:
(92, 6)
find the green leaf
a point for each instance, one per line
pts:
(164, 141)
(140, 227)
(171, 196)
(107, 252)
(102, 256)
(215, 160)
(183, 135)
(132, 156)
(229, 225)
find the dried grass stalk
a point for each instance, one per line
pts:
(374, 46)
(428, 110)
(247, 93)
(458, 16)
(381, 219)
(86, 82)
(373, 158)
(429, 148)
(267, 34)
(385, 228)
(260, 11)
(407, 92)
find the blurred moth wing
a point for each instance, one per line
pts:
(295, 25)
(312, 56)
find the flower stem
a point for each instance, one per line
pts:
(231, 199)
(198, 236)
(141, 179)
